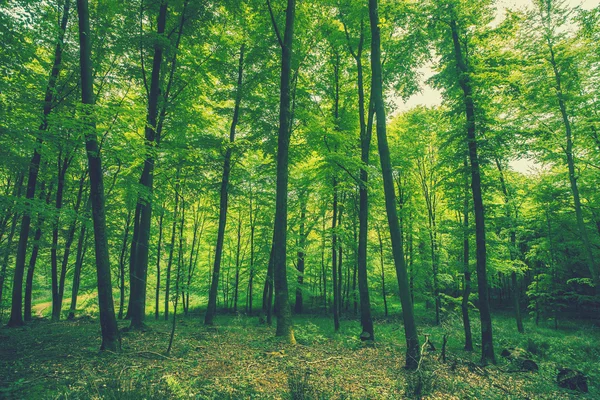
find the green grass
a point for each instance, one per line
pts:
(238, 358)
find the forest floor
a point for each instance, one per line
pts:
(239, 358)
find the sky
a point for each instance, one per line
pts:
(432, 97)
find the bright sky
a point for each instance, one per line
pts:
(432, 97)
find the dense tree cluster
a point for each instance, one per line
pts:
(248, 156)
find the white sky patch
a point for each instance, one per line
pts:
(429, 96)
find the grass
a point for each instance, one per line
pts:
(238, 358)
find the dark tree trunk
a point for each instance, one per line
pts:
(34, 255)
(81, 250)
(137, 296)
(16, 318)
(134, 243)
(410, 329)
(110, 333)
(466, 267)
(122, 264)
(158, 255)
(284, 313)
(366, 130)
(334, 265)
(251, 267)
(211, 310)
(172, 246)
(63, 164)
(381, 261)
(300, 263)
(69, 242)
(237, 263)
(487, 344)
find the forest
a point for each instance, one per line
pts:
(299, 199)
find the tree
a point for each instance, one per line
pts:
(108, 322)
(410, 329)
(284, 315)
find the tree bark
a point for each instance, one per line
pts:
(334, 264)
(110, 333)
(284, 314)
(122, 264)
(172, 246)
(466, 266)
(81, 250)
(410, 329)
(137, 296)
(487, 344)
(211, 310)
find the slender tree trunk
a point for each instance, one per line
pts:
(410, 329)
(466, 267)
(237, 263)
(122, 264)
(16, 318)
(366, 130)
(487, 344)
(323, 271)
(300, 263)
(284, 313)
(138, 284)
(172, 246)
(68, 243)
(63, 164)
(381, 262)
(134, 243)
(251, 271)
(34, 256)
(334, 266)
(81, 250)
(110, 333)
(211, 310)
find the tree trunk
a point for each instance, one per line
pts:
(334, 265)
(172, 246)
(69, 242)
(137, 296)
(81, 250)
(34, 255)
(237, 263)
(110, 333)
(410, 329)
(487, 344)
(16, 318)
(122, 264)
(300, 263)
(466, 267)
(284, 314)
(381, 261)
(211, 310)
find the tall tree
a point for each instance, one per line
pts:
(211, 309)
(137, 299)
(282, 306)
(110, 334)
(410, 328)
(464, 81)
